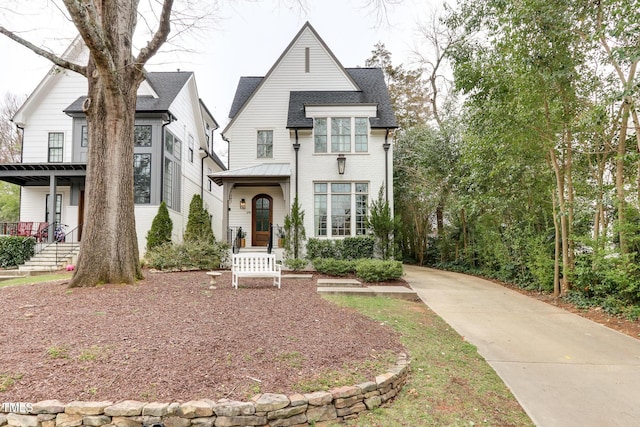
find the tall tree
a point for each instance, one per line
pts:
(109, 251)
(10, 152)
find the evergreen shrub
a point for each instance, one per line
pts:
(161, 228)
(15, 250)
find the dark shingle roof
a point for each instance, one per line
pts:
(246, 87)
(373, 92)
(166, 84)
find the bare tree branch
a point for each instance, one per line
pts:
(44, 53)
(164, 27)
(86, 20)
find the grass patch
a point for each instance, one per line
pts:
(450, 383)
(293, 359)
(8, 380)
(350, 374)
(92, 353)
(58, 352)
(29, 280)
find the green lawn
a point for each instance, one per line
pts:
(36, 279)
(450, 383)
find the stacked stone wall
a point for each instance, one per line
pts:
(264, 410)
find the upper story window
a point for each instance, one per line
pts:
(84, 136)
(172, 184)
(142, 135)
(56, 143)
(320, 135)
(343, 131)
(265, 144)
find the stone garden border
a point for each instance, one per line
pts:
(266, 409)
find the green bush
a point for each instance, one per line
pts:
(358, 247)
(347, 248)
(296, 264)
(199, 222)
(375, 270)
(161, 227)
(15, 250)
(193, 255)
(334, 267)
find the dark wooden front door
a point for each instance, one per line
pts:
(261, 217)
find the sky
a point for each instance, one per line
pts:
(242, 38)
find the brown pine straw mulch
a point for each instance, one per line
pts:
(171, 338)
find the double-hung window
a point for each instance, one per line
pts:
(342, 131)
(340, 135)
(56, 143)
(265, 144)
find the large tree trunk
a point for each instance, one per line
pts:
(110, 228)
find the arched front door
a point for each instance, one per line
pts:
(261, 218)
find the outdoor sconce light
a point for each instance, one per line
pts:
(243, 204)
(342, 160)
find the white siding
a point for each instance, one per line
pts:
(47, 115)
(267, 109)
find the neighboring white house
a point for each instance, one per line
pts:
(313, 129)
(173, 150)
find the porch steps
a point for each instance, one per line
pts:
(52, 258)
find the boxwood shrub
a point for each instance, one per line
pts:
(16, 250)
(347, 248)
(193, 255)
(377, 270)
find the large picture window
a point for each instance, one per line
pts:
(56, 143)
(142, 178)
(265, 144)
(340, 209)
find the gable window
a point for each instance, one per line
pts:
(334, 207)
(56, 142)
(265, 144)
(142, 136)
(362, 135)
(58, 217)
(341, 135)
(320, 134)
(142, 178)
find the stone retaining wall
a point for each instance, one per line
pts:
(267, 409)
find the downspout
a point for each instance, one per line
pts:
(164, 123)
(206, 154)
(386, 147)
(296, 147)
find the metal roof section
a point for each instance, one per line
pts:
(261, 171)
(39, 174)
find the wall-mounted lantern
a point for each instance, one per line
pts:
(243, 204)
(342, 160)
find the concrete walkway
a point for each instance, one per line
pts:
(563, 369)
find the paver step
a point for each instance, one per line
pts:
(399, 292)
(338, 282)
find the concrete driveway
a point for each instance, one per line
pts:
(563, 369)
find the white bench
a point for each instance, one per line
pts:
(255, 265)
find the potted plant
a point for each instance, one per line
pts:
(281, 236)
(241, 236)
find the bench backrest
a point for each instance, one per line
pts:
(253, 262)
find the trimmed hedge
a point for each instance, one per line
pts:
(16, 250)
(348, 248)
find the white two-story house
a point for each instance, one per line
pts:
(311, 129)
(173, 150)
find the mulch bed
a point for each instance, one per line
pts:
(171, 338)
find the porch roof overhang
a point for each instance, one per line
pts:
(39, 174)
(265, 172)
